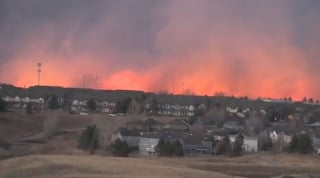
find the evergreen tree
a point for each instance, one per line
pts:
(214, 143)
(166, 148)
(3, 105)
(293, 145)
(238, 145)
(177, 148)
(154, 106)
(123, 105)
(301, 143)
(53, 102)
(120, 148)
(29, 109)
(89, 140)
(304, 144)
(160, 148)
(91, 105)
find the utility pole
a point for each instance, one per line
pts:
(39, 71)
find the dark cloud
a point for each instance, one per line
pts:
(95, 27)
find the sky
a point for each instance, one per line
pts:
(261, 48)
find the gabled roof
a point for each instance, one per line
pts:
(315, 124)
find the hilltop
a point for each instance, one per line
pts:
(115, 95)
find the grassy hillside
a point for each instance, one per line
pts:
(96, 167)
(251, 166)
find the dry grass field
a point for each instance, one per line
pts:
(96, 167)
(251, 166)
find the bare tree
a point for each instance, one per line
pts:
(214, 116)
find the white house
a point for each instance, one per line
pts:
(78, 105)
(107, 107)
(147, 144)
(37, 100)
(231, 110)
(316, 144)
(25, 100)
(250, 144)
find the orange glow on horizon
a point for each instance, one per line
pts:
(245, 71)
(197, 80)
(256, 49)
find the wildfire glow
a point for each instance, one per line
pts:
(250, 49)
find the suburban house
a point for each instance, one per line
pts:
(131, 136)
(78, 105)
(176, 110)
(233, 126)
(107, 107)
(280, 137)
(196, 143)
(171, 105)
(21, 103)
(316, 144)
(148, 143)
(218, 134)
(12, 102)
(37, 103)
(250, 144)
(314, 125)
(61, 101)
